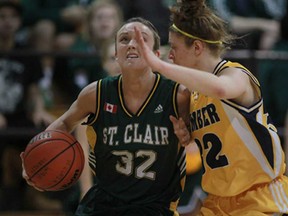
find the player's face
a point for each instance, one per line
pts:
(9, 22)
(179, 53)
(104, 22)
(127, 53)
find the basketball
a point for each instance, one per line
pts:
(53, 160)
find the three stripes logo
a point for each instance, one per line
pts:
(158, 109)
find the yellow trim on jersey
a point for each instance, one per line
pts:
(120, 97)
(173, 207)
(91, 136)
(245, 109)
(175, 100)
(98, 99)
(146, 101)
(150, 95)
(237, 65)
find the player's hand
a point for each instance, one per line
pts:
(25, 176)
(152, 60)
(181, 130)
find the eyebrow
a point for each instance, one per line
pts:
(127, 32)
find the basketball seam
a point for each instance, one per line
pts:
(77, 151)
(48, 162)
(74, 156)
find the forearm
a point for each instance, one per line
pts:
(59, 124)
(193, 79)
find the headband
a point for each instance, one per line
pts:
(194, 37)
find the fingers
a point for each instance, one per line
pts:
(174, 120)
(178, 124)
(139, 37)
(24, 174)
(181, 130)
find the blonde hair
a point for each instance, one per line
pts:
(194, 20)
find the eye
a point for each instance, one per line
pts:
(124, 39)
(145, 38)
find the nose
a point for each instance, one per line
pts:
(171, 56)
(132, 44)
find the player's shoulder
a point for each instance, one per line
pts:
(183, 95)
(182, 91)
(88, 91)
(164, 82)
(229, 65)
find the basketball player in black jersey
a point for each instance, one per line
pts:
(136, 156)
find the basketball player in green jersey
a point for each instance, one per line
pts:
(137, 159)
(241, 153)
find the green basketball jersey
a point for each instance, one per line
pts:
(136, 157)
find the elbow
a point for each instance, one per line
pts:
(220, 92)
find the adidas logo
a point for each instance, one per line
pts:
(158, 109)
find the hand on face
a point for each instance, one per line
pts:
(149, 56)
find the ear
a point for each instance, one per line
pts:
(198, 47)
(157, 53)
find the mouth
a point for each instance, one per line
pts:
(132, 56)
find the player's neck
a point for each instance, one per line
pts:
(138, 83)
(139, 87)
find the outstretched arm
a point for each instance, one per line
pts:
(230, 85)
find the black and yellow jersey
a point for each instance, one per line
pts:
(239, 145)
(136, 157)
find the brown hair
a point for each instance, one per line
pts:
(150, 26)
(194, 17)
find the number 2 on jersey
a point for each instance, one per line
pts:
(213, 145)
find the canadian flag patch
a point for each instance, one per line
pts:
(110, 107)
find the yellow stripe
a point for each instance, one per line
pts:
(151, 94)
(173, 207)
(91, 136)
(98, 92)
(98, 99)
(174, 100)
(235, 64)
(120, 97)
(195, 37)
(147, 100)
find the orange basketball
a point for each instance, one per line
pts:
(53, 160)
